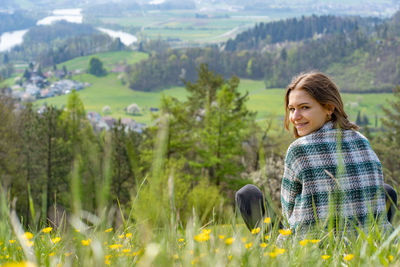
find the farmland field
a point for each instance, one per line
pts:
(267, 103)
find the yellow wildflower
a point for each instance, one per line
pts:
(303, 242)
(206, 231)
(315, 241)
(27, 235)
(12, 241)
(390, 257)
(29, 243)
(20, 264)
(229, 241)
(202, 237)
(244, 239)
(55, 240)
(86, 242)
(194, 261)
(115, 246)
(266, 237)
(107, 257)
(325, 257)
(279, 251)
(263, 245)
(348, 257)
(107, 262)
(47, 229)
(285, 231)
(216, 250)
(67, 254)
(52, 254)
(126, 250)
(222, 237)
(267, 220)
(108, 230)
(180, 240)
(128, 235)
(230, 257)
(176, 256)
(255, 230)
(121, 236)
(248, 245)
(272, 254)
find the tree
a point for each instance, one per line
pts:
(388, 144)
(96, 67)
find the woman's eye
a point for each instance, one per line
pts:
(304, 107)
(291, 109)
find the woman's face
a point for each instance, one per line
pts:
(306, 114)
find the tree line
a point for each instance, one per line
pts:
(61, 41)
(359, 60)
(16, 21)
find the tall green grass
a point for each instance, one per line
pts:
(151, 237)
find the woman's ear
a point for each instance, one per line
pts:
(330, 108)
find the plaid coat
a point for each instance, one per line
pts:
(332, 171)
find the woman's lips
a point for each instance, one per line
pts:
(301, 125)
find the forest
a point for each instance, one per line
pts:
(347, 49)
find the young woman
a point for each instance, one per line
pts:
(330, 171)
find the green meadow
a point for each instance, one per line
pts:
(268, 103)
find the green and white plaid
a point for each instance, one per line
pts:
(332, 170)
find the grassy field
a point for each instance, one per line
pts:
(267, 103)
(109, 59)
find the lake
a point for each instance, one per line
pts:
(11, 39)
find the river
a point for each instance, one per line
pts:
(11, 39)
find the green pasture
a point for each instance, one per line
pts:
(109, 59)
(268, 103)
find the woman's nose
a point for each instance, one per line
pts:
(296, 115)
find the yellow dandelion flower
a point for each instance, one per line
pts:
(279, 251)
(126, 250)
(348, 257)
(128, 235)
(325, 257)
(285, 231)
(244, 239)
(267, 220)
(52, 254)
(67, 254)
(176, 256)
(248, 245)
(121, 236)
(107, 262)
(206, 231)
(7, 256)
(115, 246)
(272, 254)
(390, 257)
(47, 229)
(255, 230)
(29, 243)
(230, 257)
(55, 240)
(77, 230)
(229, 241)
(303, 242)
(222, 237)
(267, 237)
(107, 257)
(12, 241)
(191, 252)
(315, 241)
(194, 261)
(86, 242)
(27, 235)
(202, 237)
(108, 230)
(263, 245)
(180, 240)
(20, 264)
